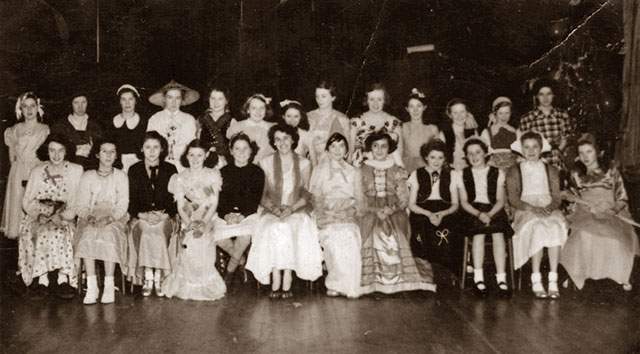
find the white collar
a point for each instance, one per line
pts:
(381, 165)
(172, 114)
(79, 122)
(132, 122)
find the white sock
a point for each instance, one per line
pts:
(108, 282)
(62, 278)
(148, 274)
(553, 277)
(44, 279)
(92, 282)
(478, 276)
(502, 278)
(157, 275)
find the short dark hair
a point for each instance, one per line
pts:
(416, 96)
(155, 136)
(377, 86)
(197, 143)
(327, 85)
(531, 135)
(304, 120)
(224, 91)
(336, 137)
(540, 83)
(69, 150)
(245, 107)
(475, 141)
(379, 135)
(284, 128)
(252, 144)
(95, 150)
(435, 145)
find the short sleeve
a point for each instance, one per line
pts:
(234, 128)
(10, 138)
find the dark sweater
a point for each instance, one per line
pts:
(241, 189)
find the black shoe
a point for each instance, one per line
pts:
(37, 292)
(65, 291)
(479, 293)
(504, 293)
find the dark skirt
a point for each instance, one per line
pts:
(437, 244)
(499, 222)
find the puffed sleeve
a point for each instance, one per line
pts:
(317, 176)
(122, 194)
(234, 128)
(402, 191)
(29, 201)
(175, 187)
(620, 193)
(11, 139)
(216, 180)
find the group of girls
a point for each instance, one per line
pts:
(283, 197)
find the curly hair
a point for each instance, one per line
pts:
(245, 107)
(69, 150)
(95, 151)
(287, 129)
(244, 137)
(435, 145)
(210, 160)
(304, 120)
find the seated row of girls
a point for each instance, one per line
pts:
(436, 194)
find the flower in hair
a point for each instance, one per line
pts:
(22, 98)
(414, 91)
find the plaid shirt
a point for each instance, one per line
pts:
(554, 127)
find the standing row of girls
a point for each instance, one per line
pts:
(356, 195)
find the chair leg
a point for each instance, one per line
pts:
(511, 264)
(124, 283)
(80, 278)
(465, 250)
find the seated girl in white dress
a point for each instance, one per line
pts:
(336, 188)
(534, 191)
(603, 243)
(196, 189)
(101, 205)
(286, 237)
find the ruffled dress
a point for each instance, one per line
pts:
(195, 276)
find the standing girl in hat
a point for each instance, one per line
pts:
(178, 127)
(127, 127)
(23, 140)
(499, 135)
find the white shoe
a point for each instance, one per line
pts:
(627, 287)
(91, 297)
(158, 287)
(108, 294)
(147, 288)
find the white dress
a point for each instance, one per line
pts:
(532, 232)
(290, 243)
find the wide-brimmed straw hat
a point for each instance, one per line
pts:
(189, 96)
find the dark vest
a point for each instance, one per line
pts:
(470, 185)
(424, 183)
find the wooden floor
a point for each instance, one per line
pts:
(600, 319)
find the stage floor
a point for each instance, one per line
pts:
(600, 319)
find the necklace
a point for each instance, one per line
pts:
(104, 174)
